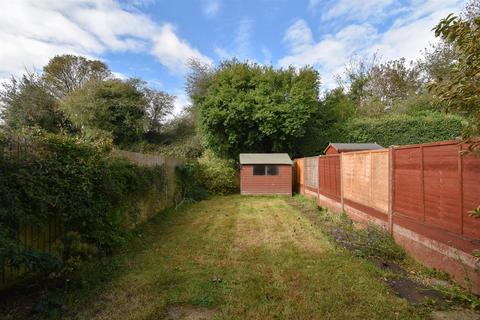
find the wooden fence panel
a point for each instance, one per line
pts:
(365, 178)
(437, 186)
(380, 180)
(408, 182)
(299, 173)
(311, 172)
(471, 194)
(329, 175)
(441, 182)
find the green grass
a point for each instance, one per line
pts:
(243, 257)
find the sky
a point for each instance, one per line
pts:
(154, 39)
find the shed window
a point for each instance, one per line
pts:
(265, 170)
(272, 170)
(259, 170)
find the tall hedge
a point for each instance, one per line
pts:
(403, 129)
(49, 178)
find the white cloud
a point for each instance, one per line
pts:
(174, 52)
(298, 37)
(211, 7)
(181, 101)
(331, 53)
(119, 75)
(313, 3)
(409, 33)
(357, 10)
(32, 31)
(242, 42)
(267, 55)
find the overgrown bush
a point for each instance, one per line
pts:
(219, 176)
(207, 175)
(190, 186)
(403, 129)
(76, 184)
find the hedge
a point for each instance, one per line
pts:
(75, 184)
(403, 129)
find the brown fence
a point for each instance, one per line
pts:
(365, 179)
(329, 176)
(421, 194)
(311, 173)
(42, 236)
(434, 189)
(166, 196)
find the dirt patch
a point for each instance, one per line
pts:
(186, 312)
(390, 266)
(414, 292)
(399, 281)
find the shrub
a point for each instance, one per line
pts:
(219, 176)
(74, 183)
(189, 184)
(403, 129)
(208, 175)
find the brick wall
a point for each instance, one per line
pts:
(281, 184)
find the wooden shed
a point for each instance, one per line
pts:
(335, 148)
(265, 173)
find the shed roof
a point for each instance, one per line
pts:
(354, 146)
(265, 158)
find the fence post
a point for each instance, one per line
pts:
(391, 187)
(318, 179)
(460, 182)
(341, 182)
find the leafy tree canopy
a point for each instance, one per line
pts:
(27, 102)
(251, 108)
(461, 90)
(114, 106)
(63, 74)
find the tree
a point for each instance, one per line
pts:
(460, 91)
(196, 80)
(336, 108)
(251, 108)
(27, 103)
(437, 62)
(114, 106)
(159, 105)
(63, 74)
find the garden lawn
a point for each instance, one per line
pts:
(236, 257)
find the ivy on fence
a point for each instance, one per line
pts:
(63, 200)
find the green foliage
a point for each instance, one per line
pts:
(65, 73)
(370, 241)
(28, 103)
(460, 90)
(189, 184)
(403, 129)
(208, 175)
(217, 175)
(325, 126)
(76, 184)
(251, 108)
(113, 105)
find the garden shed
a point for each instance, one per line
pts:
(265, 173)
(335, 148)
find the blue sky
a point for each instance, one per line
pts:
(153, 39)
